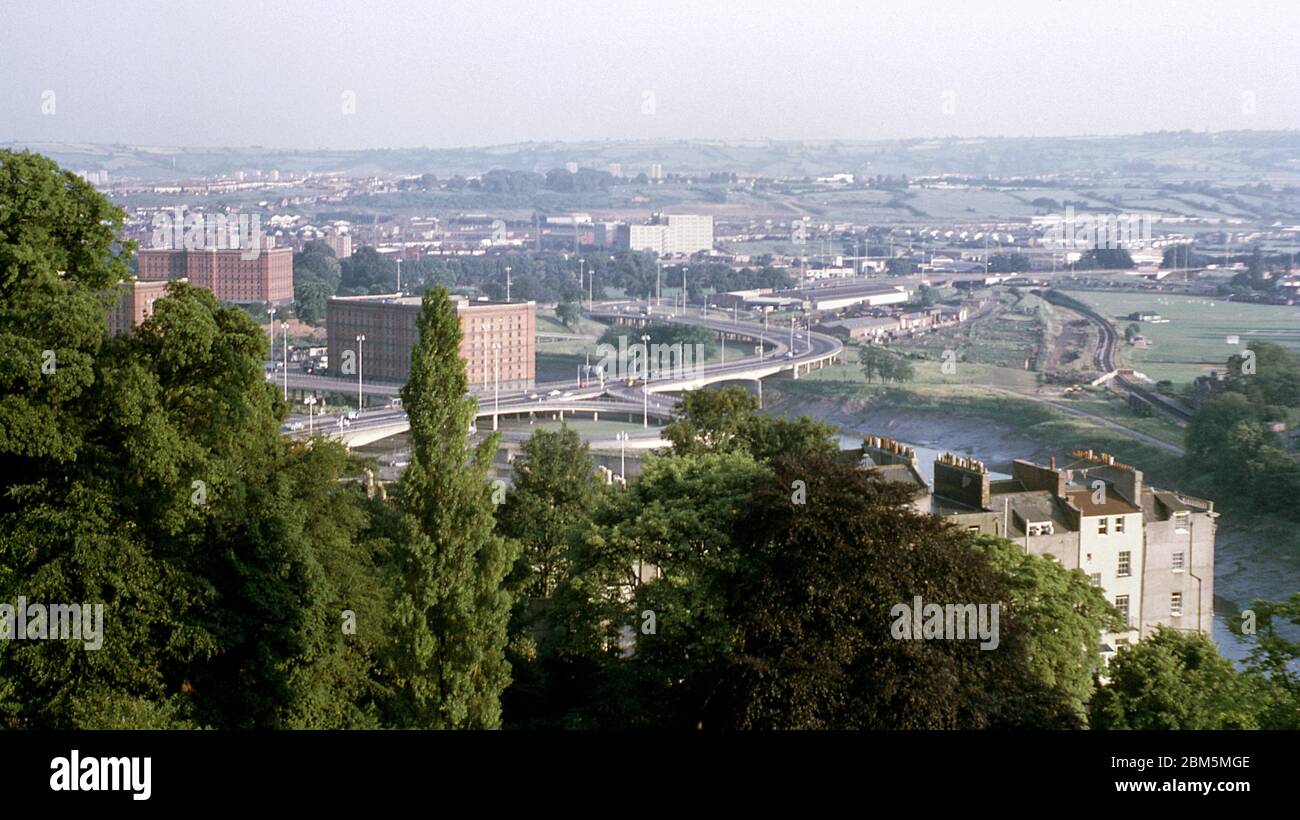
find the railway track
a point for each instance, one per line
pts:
(1104, 358)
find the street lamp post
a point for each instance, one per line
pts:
(487, 338)
(361, 342)
(270, 312)
(645, 383)
(310, 401)
(622, 454)
(285, 327)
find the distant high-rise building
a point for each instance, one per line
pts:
(134, 304)
(267, 277)
(670, 235)
(571, 167)
(616, 169)
(340, 243)
(656, 171)
(498, 339)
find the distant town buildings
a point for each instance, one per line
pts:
(266, 277)
(498, 338)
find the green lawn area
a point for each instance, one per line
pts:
(583, 427)
(547, 323)
(1195, 339)
(930, 372)
(1108, 405)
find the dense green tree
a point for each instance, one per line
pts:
(1104, 259)
(727, 420)
(446, 663)
(663, 548)
(1269, 376)
(1063, 614)
(367, 271)
(310, 301)
(316, 263)
(1175, 680)
(555, 491)
(890, 367)
(1275, 659)
(570, 313)
(53, 221)
(813, 605)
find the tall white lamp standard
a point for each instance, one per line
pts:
(361, 341)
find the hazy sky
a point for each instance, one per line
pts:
(279, 73)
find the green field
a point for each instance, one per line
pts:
(1195, 341)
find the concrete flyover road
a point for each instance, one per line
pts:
(812, 351)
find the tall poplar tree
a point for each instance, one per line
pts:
(446, 666)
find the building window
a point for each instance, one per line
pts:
(1119, 524)
(1125, 564)
(974, 530)
(1175, 604)
(1103, 525)
(1176, 561)
(1121, 603)
(1180, 522)
(1096, 579)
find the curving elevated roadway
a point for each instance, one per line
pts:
(812, 351)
